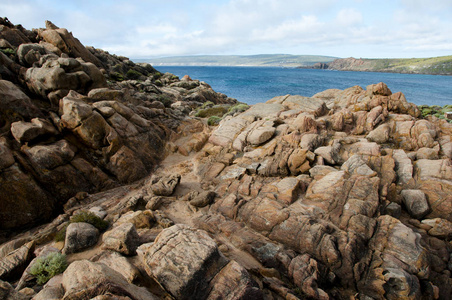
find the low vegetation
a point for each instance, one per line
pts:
(83, 216)
(435, 110)
(48, 266)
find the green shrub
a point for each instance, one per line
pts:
(218, 111)
(91, 218)
(157, 76)
(207, 104)
(132, 74)
(158, 83)
(8, 51)
(82, 216)
(116, 76)
(238, 108)
(46, 267)
(213, 121)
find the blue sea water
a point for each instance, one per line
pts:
(258, 84)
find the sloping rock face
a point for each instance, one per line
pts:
(350, 154)
(71, 122)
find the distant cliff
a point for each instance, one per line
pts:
(436, 65)
(261, 60)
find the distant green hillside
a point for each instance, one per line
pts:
(262, 60)
(441, 65)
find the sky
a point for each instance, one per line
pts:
(162, 28)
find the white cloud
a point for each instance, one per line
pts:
(349, 17)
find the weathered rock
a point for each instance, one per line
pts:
(260, 135)
(85, 280)
(441, 228)
(80, 236)
(12, 265)
(29, 131)
(15, 104)
(119, 263)
(404, 167)
(416, 203)
(305, 273)
(356, 165)
(203, 199)
(234, 282)
(64, 74)
(23, 201)
(180, 255)
(140, 219)
(380, 134)
(7, 292)
(52, 155)
(123, 239)
(166, 186)
(397, 262)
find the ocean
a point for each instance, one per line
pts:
(258, 84)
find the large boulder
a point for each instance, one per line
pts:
(187, 263)
(64, 74)
(122, 238)
(80, 236)
(85, 280)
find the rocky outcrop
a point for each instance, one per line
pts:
(346, 194)
(74, 118)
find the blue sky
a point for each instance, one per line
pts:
(158, 28)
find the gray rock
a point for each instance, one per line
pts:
(260, 135)
(30, 53)
(356, 165)
(123, 239)
(80, 236)
(380, 134)
(416, 203)
(393, 209)
(403, 166)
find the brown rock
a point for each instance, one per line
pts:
(13, 264)
(84, 280)
(122, 238)
(179, 256)
(166, 186)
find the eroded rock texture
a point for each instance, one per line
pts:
(343, 195)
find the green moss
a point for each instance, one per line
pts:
(207, 104)
(134, 75)
(213, 121)
(91, 218)
(238, 108)
(46, 267)
(116, 76)
(8, 51)
(83, 216)
(218, 111)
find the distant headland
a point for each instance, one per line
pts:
(435, 65)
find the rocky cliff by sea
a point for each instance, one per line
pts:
(441, 65)
(116, 183)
